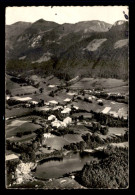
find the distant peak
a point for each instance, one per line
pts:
(40, 21)
(119, 22)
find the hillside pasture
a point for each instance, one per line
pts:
(27, 126)
(24, 90)
(56, 142)
(17, 112)
(103, 83)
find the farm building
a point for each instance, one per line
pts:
(34, 102)
(53, 103)
(94, 97)
(7, 97)
(76, 107)
(67, 120)
(71, 94)
(66, 111)
(51, 86)
(100, 102)
(51, 117)
(114, 114)
(67, 100)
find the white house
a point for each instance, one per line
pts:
(67, 100)
(66, 111)
(100, 101)
(76, 107)
(51, 86)
(51, 117)
(71, 94)
(53, 103)
(67, 120)
(34, 102)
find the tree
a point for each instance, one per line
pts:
(41, 90)
(82, 146)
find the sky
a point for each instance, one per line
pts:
(66, 14)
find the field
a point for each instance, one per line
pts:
(13, 128)
(73, 138)
(91, 83)
(113, 131)
(16, 112)
(23, 90)
(56, 142)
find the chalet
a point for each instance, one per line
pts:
(51, 86)
(66, 111)
(53, 103)
(114, 114)
(89, 99)
(71, 94)
(7, 97)
(51, 117)
(100, 102)
(67, 121)
(76, 107)
(34, 102)
(67, 100)
(94, 97)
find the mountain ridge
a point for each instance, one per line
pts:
(87, 47)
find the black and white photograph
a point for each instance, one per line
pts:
(67, 97)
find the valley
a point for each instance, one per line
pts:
(66, 105)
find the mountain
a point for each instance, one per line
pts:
(90, 48)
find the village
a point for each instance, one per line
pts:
(48, 118)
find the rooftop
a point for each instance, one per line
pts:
(53, 102)
(67, 100)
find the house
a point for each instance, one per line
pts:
(76, 107)
(34, 102)
(94, 97)
(7, 97)
(90, 99)
(100, 102)
(71, 94)
(53, 103)
(57, 123)
(67, 100)
(51, 86)
(51, 117)
(67, 121)
(66, 111)
(114, 114)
